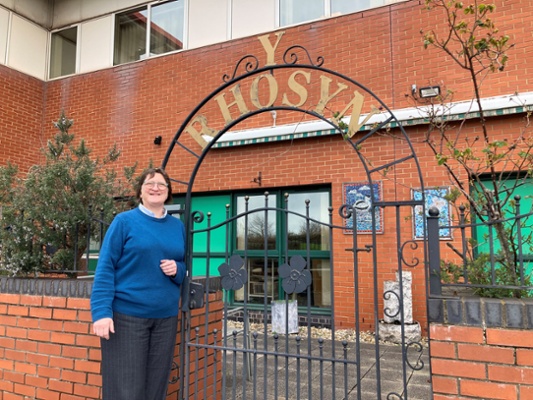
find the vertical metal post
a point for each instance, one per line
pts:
(88, 249)
(435, 287)
(518, 224)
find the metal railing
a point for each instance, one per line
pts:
(471, 260)
(94, 244)
(78, 239)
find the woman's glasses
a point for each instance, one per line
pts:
(153, 185)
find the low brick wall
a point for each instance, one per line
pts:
(481, 348)
(47, 350)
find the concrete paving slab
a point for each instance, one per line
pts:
(304, 370)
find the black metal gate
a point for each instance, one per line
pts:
(281, 349)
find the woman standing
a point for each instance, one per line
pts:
(136, 293)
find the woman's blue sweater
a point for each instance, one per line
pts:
(128, 278)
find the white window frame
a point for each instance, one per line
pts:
(327, 10)
(148, 8)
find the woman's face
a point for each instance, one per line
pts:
(154, 191)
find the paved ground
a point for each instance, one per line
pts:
(286, 376)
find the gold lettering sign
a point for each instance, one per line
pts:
(357, 105)
(238, 100)
(233, 104)
(273, 91)
(192, 129)
(269, 49)
(297, 88)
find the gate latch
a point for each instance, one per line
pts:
(196, 295)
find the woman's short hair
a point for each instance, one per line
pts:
(149, 173)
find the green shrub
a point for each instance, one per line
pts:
(45, 214)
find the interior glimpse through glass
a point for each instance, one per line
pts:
(300, 224)
(166, 29)
(130, 36)
(63, 52)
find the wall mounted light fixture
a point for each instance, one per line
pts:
(429, 91)
(157, 140)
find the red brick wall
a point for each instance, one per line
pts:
(481, 363)
(382, 49)
(48, 352)
(21, 118)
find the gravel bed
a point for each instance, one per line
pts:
(348, 335)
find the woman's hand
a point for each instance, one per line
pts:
(103, 327)
(169, 267)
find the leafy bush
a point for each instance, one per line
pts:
(485, 280)
(45, 214)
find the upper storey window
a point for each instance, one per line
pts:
(148, 31)
(297, 11)
(63, 52)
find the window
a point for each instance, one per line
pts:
(346, 6)
(63, 52)
(297, 11)
(258, 223)
(280, 230)
(176, 209)
(158, 27)
(297, 229)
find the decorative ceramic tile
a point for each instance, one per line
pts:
(359, 196)
(435, 197)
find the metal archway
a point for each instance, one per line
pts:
(302, 367)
